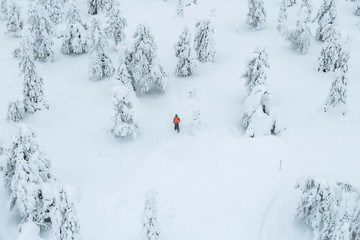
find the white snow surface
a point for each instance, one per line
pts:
(218, 183)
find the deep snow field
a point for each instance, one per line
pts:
(214, 183)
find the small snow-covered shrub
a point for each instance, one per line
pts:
(151, 226)
(299, 38)
(16, 111)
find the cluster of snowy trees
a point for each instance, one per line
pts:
(35, 194)
(330, 209)
(260, 117)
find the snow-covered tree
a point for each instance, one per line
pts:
(306, 9)
(108, 5)
(204, 43)
(143, 63)
(337, 96)
(123, 75)
(33, 91)
(357, 11)
(327, 15)
(330, 52)
(290, 3)
(26, 169)
(125, 122)
(150, 224)
(300, 38)
(65, 221)
(54, 9)
(100, 64)
(256, 16)
(186, 64)
(75, 39)
(16, 111)
(116, 24)
(283, 11)
(14, 21)
(180, 8)
(256, 65)
(3, 9)
(42, 29)
(260, 117)
(94, 6)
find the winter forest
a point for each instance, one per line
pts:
(265, 94)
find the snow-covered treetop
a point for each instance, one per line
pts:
(97, 41)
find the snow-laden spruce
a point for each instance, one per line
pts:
(204, 43)
(25, 171)
(143, 63)
(65, 222)
(14, 21)
(33, 92)
(125, 122)
(291, 3)
(283, 11)
(54, 9)
(336, 100)
(186, 64)
(100, 64)
(357, 11)
(16, 111)
(331, 50)
(97, 6)
(299, 38)
(116, 25)
(329, 208)
(256, 16)
(306, 9)
(3, 9)
(327, 15)
(260, 117)
(75, 39)
(123, 75)
(255, 73)
(180, 8)
(151, 226)
(43, 31)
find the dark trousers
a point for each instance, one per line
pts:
(177, 127)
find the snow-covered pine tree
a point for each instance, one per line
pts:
(180, 8)
(33, 91)
(100, 64)
(54, 10)
(16, 111)
(256, 16)
(125, 122)
(186, 64)
(3, 9)
(42, 29)
(75, 40)
(357, 11)
(108, 5)
(122, 74)
(26, 169)
(330, 51)
(14, 21)
(326, 15)
(150, 223)
(94, 6)
(256, 65)
(355, 222)
(337, 96)
(291, 3)
(283, 11)
(116, 24)
(143, 63)
(300, 37)
(306, 9)
(260, 116)
(65, 221)
(204, 43)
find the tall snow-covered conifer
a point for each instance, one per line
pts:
(330, 51)
(204, 43)
(283, 11)
(14, 21)
(122, 73)
(327, 15)
(116, 24)
(143, 63)
(186, 63)
(256, 16)
(100, 64)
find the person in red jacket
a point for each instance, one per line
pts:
(176, 121)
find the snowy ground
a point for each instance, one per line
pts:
(217, 183)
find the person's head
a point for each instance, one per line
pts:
(176, 115)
